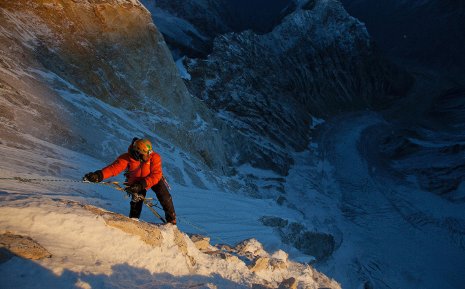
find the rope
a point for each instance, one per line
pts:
(117, 186)
(26, 180)
(147, 201)
(149, 204)
(114, 185)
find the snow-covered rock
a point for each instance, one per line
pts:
(201, 242)
(86, 241)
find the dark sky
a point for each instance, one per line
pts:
(431, 34)
(261, 15)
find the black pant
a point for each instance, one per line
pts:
(163, 196)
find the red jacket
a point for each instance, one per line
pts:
(149, 171)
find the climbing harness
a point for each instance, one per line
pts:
(147, 201)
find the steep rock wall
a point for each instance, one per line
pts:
(56, 52)
(108, 49)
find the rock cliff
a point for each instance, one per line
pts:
(318, 62)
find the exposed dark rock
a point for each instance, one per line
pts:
(316, 62)
(318, 245)
(430, 152)
(276, 222)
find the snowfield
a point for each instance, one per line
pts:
(89, 251)
(336, 187)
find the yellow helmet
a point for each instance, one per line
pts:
(141, 148)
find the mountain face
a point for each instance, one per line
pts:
(318, 62)
(429, 152)
(399, 172)
(190, 27)
(65, 55)
(427, 37)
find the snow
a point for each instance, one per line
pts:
(86, 253)
(328, 190)
(331, 189)
(89, 254)
(386, 232)
(380, 215)
(182, 69)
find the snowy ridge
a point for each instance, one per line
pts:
(89, 245)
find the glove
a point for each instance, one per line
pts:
(134, 189)
(93, 177)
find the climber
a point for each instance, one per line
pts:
(143, 171)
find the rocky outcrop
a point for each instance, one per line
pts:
(22, 246)
(317, 244)
(146, 232)
(108, 49)
(263, 264)
(256, 267)
(318, 62)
